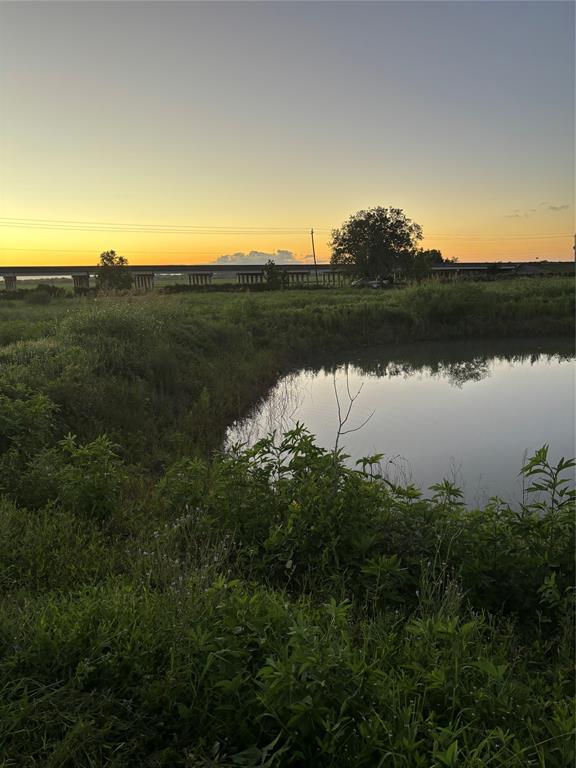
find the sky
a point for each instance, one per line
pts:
(185, 132)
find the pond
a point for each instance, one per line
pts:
(469, 411)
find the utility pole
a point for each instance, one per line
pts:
(314, 255)
(574, 247)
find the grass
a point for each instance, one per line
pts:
(153, 371)
(167, 606)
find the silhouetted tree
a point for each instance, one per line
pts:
(275, 277)
(421, 265)
(420, 268)
(112, 272)
(376, 242)
(433, 255)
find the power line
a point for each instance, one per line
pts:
(124, 224)
(497, 237)
(62, 224)
(220, 233)
(86, 226)
(93, 250)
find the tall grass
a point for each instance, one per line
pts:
(164, 606)
(167, 373)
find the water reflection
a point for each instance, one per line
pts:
(457, 373)
(278, 413)
(457, 361)
(468, 411)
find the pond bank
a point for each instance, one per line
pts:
(167, 375)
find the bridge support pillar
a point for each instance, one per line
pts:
(10, 282)
(81, 282)
(249, 278)
(332, 278)
(298, 278)
(144, 281)
(200, 278)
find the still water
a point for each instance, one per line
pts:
(468, 411)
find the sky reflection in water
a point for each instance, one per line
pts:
(468, 411)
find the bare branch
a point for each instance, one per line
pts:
(337, 398)
(355, 429)
(351, 400)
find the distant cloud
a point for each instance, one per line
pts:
(257, 257)
(519, 214)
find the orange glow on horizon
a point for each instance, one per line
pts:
(157, 157)
(63, 248)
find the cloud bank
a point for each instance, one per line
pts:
(257, 257)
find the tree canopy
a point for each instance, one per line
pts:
(420, 265)
(376, 242)
(112, 272)
(433, 255)
(275, 276)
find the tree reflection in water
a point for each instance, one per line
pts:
(433, 420)
(457, 361)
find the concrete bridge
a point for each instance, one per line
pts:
(296, 274)
(196, 274)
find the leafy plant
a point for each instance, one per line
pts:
(548, 479)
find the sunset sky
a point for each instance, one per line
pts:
(179, 132)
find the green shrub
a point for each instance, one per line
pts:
(26, 422)
(26, 425)
(271, 606)
(37, 297)
(183, 486)
(49, 549)
(232, 675)
(300, 519)
(90, 478)
(84, 479)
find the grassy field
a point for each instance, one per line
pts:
(165, 605)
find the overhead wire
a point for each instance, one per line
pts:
(190, 229)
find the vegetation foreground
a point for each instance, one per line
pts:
(167, 605)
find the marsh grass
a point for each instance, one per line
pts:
(163, 605)
(161, 374)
